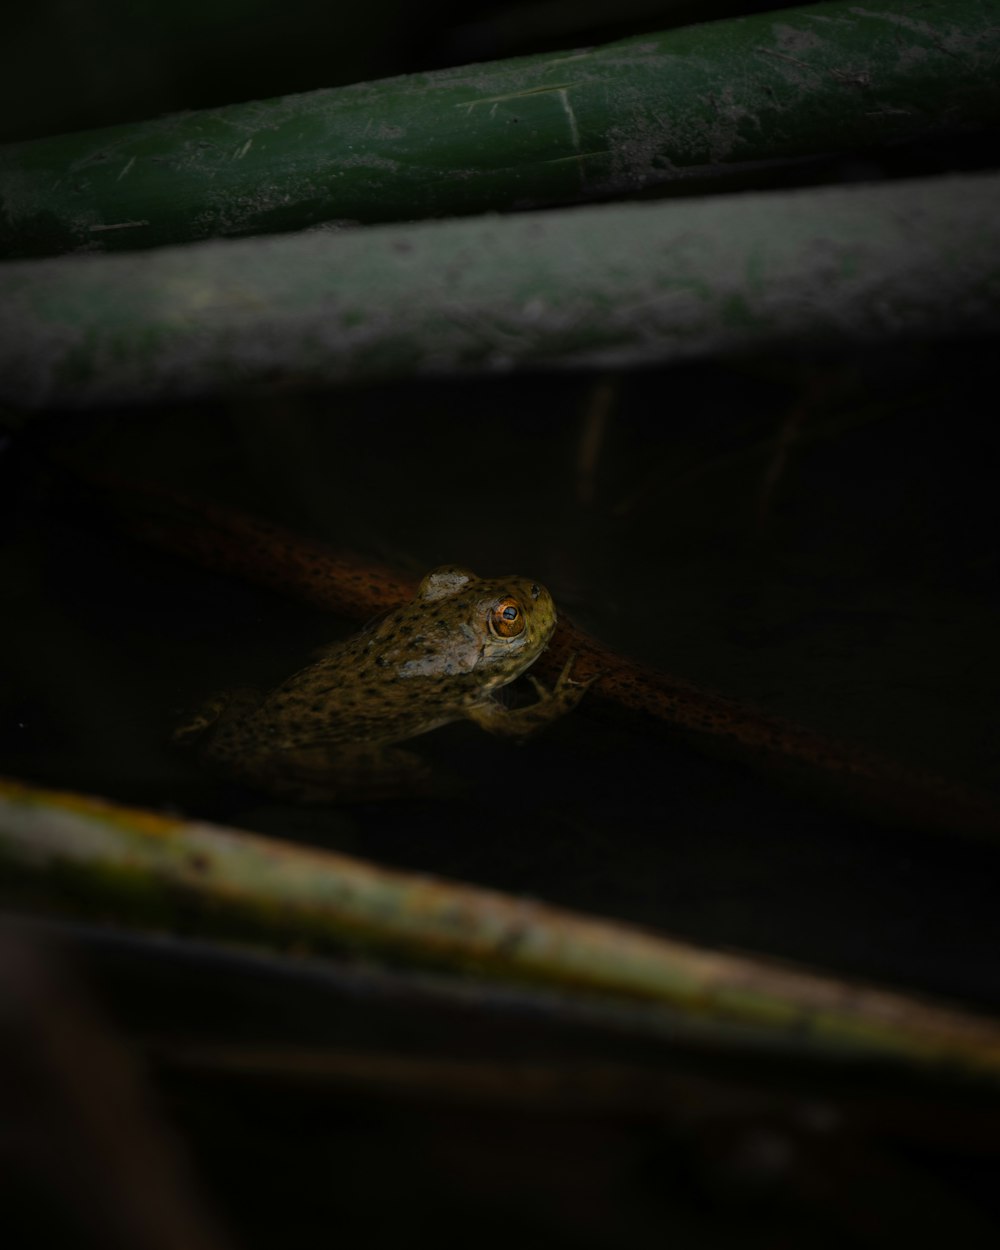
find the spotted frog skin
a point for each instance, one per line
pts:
(329, 731)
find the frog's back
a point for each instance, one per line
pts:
(416, 668)
(356, 694)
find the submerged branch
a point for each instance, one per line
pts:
(237, 544)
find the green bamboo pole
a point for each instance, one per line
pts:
(601, 286)
(532, 131)
(140, 865)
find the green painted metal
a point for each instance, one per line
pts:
(532, 131)
(611, 285)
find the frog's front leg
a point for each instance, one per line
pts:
(522, 721)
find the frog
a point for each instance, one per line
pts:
(330, 732)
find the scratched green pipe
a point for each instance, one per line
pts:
(528, 132)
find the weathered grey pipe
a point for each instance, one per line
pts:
(594, 287)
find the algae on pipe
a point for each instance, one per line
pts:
(145, 869)
(515, 134)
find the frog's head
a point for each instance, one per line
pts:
(509, 619)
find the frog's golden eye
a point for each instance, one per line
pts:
(506, 618)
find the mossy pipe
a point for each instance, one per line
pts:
(600, 286)
(139, 866)
(515, 134)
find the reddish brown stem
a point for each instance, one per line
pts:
(235, 543)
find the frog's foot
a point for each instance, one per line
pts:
(522, 721)
(222, 706)
(344, 773)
